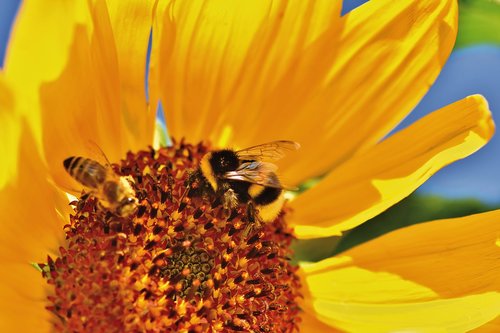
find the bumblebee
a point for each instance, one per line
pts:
(114, 192)
(245, 176)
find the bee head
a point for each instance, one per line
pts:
(127, 206)
(223, 161)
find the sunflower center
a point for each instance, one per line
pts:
(178, 263)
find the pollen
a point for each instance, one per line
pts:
(178, 263)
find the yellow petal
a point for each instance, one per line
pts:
(247, 75)
(491, 327)
(439, 276)
(31, 211)
(220, 61)
(155, 56)
(309, 323)
(446, 315)
(23, 309)
(452, 257)
(46, 33)
(9, 134)
(22, 306)
(388, 55)
(82, 107)
(371, 182)
(131, 23)
(80, 103)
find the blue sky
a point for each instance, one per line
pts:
(468, 71)
(8, 8)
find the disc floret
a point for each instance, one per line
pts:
(178, 264)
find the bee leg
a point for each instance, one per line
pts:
(188, 182)
(191, 178)
(186, 193)
(217, 202)
(85, 196)
(105, 206)
(251, 212)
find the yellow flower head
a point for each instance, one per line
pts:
(195, 237)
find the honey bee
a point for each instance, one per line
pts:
(245, 176)
(113, 191)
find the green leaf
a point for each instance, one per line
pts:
(478, 22)
(313, 250)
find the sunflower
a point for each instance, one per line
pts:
(235, 74)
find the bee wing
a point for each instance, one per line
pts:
(257, 172)
(271, 151)
(96, 169)
(92, 173)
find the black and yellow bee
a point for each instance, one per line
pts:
(245, 176)
(114, 192)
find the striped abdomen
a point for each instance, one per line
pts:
(88, 172)
(268, 200)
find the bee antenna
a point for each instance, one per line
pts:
(92, 142)
(188, 187)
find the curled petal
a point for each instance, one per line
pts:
(369, 183)
(436, 275)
